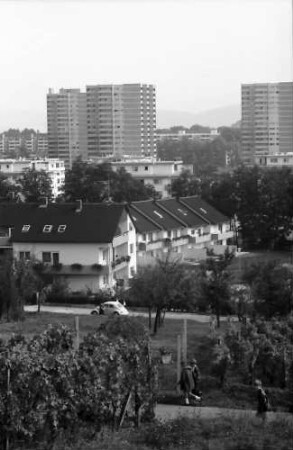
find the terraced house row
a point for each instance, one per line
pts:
(96, 246)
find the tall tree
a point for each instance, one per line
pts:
(214, 287)
(163, 286)
(186, 184)
(18, 282)
(99, 183)
(271, 288)
(35, 184)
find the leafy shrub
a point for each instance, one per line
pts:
(52, 387)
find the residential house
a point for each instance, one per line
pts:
(159, 174)
(185, 226)
(90, 246)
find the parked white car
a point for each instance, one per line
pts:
(111, 308)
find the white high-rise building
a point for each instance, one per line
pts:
(121, 120)
(67, 125)
(267, 120)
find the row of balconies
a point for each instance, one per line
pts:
(184, 240)
(83, 269)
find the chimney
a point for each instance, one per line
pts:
(44, 205)
(79, 206)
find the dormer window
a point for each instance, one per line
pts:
(203, 210)
(182, 212)
(47, 228)
(61, 228)
(25, 228)
(158, 214)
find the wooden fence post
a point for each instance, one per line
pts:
(179, 357)
(77, 340)
(7, 443)
(184, 341)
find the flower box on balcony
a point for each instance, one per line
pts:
(76, 266)
(97, 267)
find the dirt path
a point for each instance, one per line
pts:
(167, 412)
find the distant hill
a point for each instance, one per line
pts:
(225, 116)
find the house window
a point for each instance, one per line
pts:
(25, 228)
(130, 227)
(144, 236)
(46, 257)
(55, 257)
(146, 168)
(24, 256)
(131, 248)
(61, 228)
(132, 271)
(105, 279)
(47, 228)
(105, 255)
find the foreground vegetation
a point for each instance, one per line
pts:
(222, 433)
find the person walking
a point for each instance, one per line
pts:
(187, 384)
(196, 376)
(262, 400)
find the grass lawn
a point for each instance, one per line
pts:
(242, 262)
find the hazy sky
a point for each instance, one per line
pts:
(197, 52)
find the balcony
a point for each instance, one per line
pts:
(178, 242)
(203, 239)
(226, 235)
(155, 245)
(5, 242)
(120, 262)
(121, 239)
(73, 269)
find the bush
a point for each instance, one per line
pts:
(54, 388)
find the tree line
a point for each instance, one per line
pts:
(260, 200)
(88, 182)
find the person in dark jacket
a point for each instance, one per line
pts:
(187, 384)
(196, 376)
(262, 400)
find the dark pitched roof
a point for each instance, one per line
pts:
(204, 209)
(142, 224)
(95, 223)
(185, 214)
(157, 215)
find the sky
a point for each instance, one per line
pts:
(196, 52)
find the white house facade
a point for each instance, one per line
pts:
(89, 246)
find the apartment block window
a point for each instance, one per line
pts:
(61, 228)
(24, 256)
(47, 228)
(25, 228)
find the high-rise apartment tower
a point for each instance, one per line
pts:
(121, 120)
(267, 120)
(67, 125)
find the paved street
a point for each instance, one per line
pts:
(81, 311)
